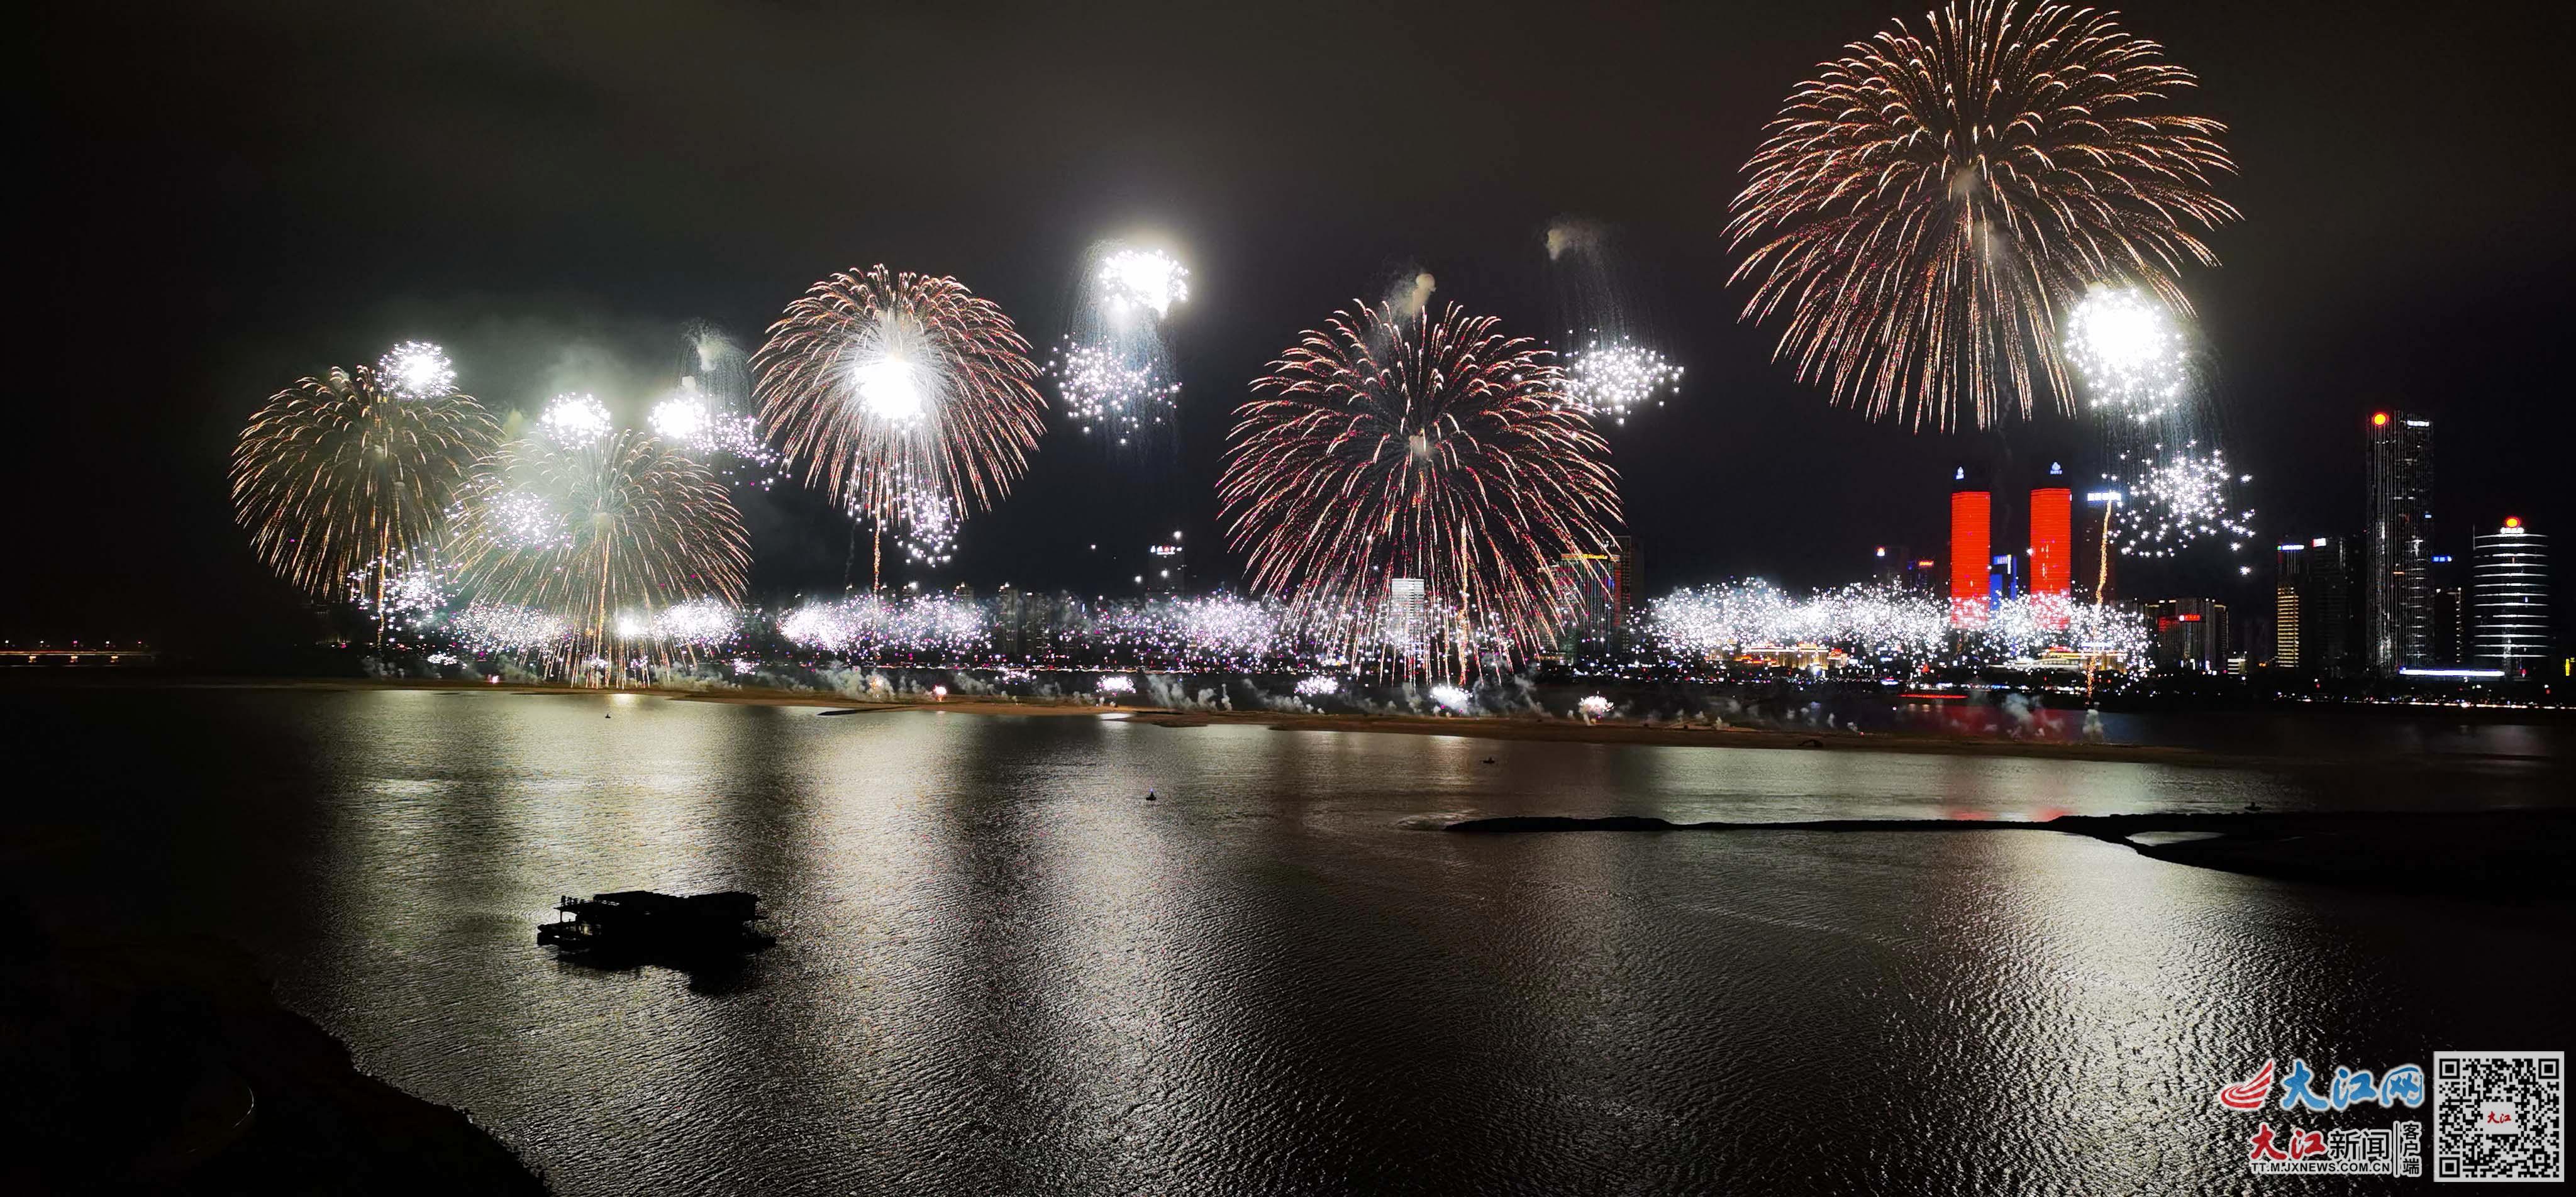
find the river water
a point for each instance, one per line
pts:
(1000, 969)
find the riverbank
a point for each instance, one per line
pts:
(1481, 727)
(162, 1063)
(2521, 854)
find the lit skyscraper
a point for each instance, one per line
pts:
(2052, 534)
(2509, 592)
(2400, 539)
(2096, 581)
(2312, 605)
(1972, 510)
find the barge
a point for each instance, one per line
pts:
(640, 923)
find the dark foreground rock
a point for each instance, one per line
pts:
(149, 1064)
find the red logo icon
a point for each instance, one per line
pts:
(2250, 1093)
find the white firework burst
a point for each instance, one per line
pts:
(416, 370)
(1143, 279)
(576, 419)
(2130, 351)
(1107, 396)
(1616, 378)
(2170, 498)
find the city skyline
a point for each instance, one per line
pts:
(1707, 476)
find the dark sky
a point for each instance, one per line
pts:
(227, 197)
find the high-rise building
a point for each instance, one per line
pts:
(2450, 612)
(1627, 580)
(2191, 634)
(2289, 562)
(1597, 598)
(1407, 619)
(1972, 509)
(2052, 537)
(2096, 580)
(1894, 565)
(2400, 540)
(2510, 594)
(2312, 611)
(2003, 580)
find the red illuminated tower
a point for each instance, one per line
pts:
(2052, 519)
(1972, 510)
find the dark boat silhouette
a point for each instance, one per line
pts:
(639, 924)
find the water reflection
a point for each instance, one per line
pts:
(1001, 970)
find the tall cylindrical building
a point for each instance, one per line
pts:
(1972, 511)
(2509, 599)
(2052, 549)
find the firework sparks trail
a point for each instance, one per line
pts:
(416, 370)
(876, 378)
(495, 629)
(872, 626)
(1103, 392)
(700, 624)
(1612, 381)
(689, 418)
(2171, 498)
(709, 414)
(1211, 632)
(641, 525)
(925, 523)
(404, 589)
(1921, 207)
(1434, 448)
(1882, 623)
(333, 472)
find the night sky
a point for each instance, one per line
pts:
(227, 197)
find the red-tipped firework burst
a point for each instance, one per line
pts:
(335, 474)
(1924, 205)
(1380, 447)
(620, 523)
(875, 377)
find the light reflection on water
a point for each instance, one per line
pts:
(1002, 970)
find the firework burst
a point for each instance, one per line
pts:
(1102, 392)
(2170, 498)
(575, 420)
(1143, 280)
(2129, 351)
(1611, 381)
(416, 370)
(875, 377)
(404, 589)
(333, 473)
(628, 523)
(1921, 207)
(1379, 448)
(488, 629)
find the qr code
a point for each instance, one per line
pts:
(2499, 1116)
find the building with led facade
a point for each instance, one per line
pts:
(1972, 511)
(2509, 599)
(2052, 537)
